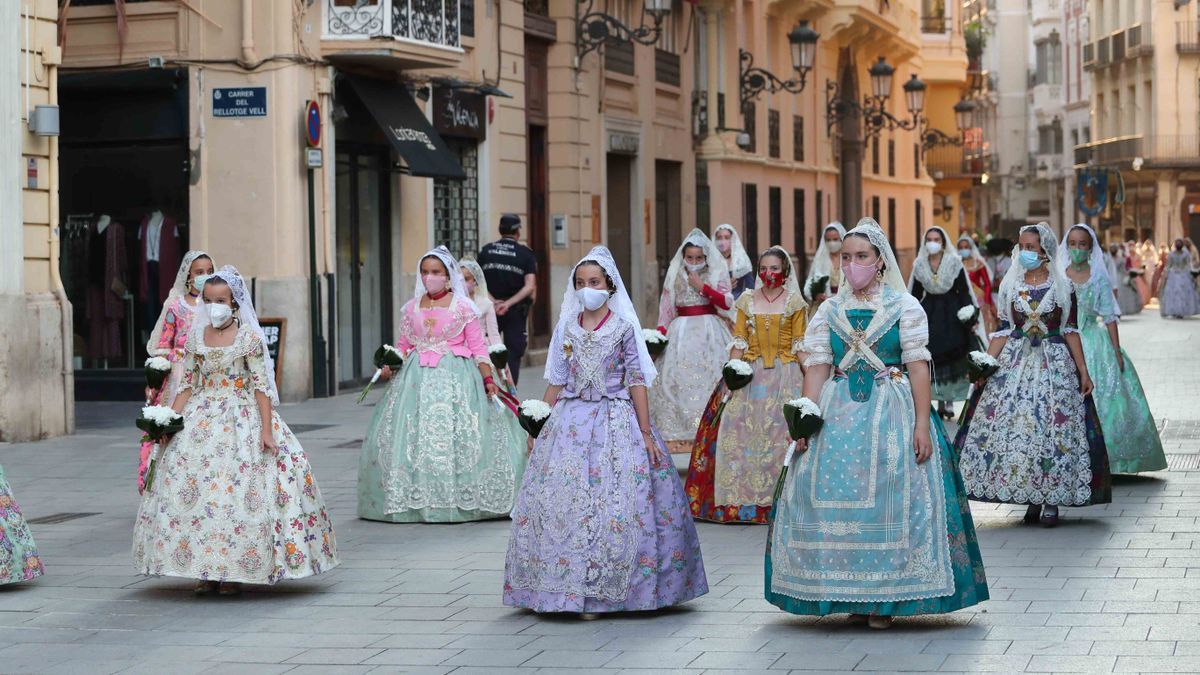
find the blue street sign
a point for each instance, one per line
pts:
(239, 102)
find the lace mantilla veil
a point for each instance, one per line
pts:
(179, 288)
(717, 274)
(481, 295)
(949, 269)
(246, 316)
(1060, 293)
(619, 303)
(1099, 259)
(891, 275)
(457, 284)
(739, 261)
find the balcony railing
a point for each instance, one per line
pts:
(1187, 37)
(432, 22)
(1173, 151)
(1109, 151)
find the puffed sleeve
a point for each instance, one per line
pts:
(473, 335)
(914, 332)
(260, 378)
(403, 342)
(1106, 305)
(741, 328)
(633, 363)
(191, 379)
(816, 339)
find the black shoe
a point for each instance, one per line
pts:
(1033, 514)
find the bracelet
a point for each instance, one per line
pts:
(488, 380)
(646, 431)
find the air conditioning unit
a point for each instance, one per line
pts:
(1089, 55)
(1118, 46)
(1102, 52)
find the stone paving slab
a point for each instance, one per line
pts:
(1115, 588)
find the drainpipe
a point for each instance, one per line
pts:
(248, 54)
(56, 284)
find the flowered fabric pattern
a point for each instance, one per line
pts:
(220, 507)
(859, 526)
(172, 341)
(437, 449)
(596, 527)
(19, 559)
(1179, 297)
(736, 457)
(1028, 436)
(1130, 434)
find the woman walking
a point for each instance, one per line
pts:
(1177, 295)
(1030, 434)
(981, 280)
(741, 268)
(826, 266)
(737, 453)
(872, 519)
(601, 523)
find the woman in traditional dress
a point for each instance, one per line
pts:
(826, 264)
(1130, 433)
(741, 268)
(939, 282)
(233, 499)
(1030, 434)
(440, 447)
(477, 290)
(737, 455)
(1177, 295)
(1128, 299)
(872, 519)
(695, 293)
(170, 334)
(601, 523)
(19, 559)
(1137, 272)
(981, 280)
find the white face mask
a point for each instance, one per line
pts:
(933, 247)
(592, 298)
(219, 315)
(697, 267)
(198, 282)
(833, 246)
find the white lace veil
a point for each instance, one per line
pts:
(1099, 259)
(949, 269)
(974, 248)
(481, 296)
(739, 261)
(716, 276)
(821, 267)
(891, 273)
(457, 284)
(791, 284)
(620, 305)
(246, 316)
(179, 288)
(1060, 292)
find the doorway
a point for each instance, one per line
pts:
(668, 213)
(619, 173)
(364, 304)
(537, 229)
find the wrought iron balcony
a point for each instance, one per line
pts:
(1187, 37)
(430, 22)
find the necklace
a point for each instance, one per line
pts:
(437, 296)
(771, 300)
(226, 327)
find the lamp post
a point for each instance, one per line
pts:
(802, 43)
(594, 28)
(932, 138)
(873, 107)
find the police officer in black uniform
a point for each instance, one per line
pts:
(511, 272)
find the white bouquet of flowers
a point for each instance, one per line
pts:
(655, 341)
(981, 365)
(968, 314)
(532, 414)
(803, 417)
(157, 369)
(386, 355)
(157, 422)
(499, 355)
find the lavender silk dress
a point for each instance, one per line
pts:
(596, 528)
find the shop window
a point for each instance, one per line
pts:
(456, 203)
(773, 134)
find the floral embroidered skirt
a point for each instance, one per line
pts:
(1179, 297)
(736, 457)
(19, 560)
(1029, 437)
(1131, 436)
(222, 509)
(596, 528)
(696, 350)
(437, 450)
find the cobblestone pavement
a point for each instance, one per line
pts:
(1111, 590)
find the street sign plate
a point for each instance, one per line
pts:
(239, 102)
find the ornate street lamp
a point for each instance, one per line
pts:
(873, 108)
(594, 28)
(802, 41)
(963, 111)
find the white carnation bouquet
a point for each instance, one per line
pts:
(499, 356)
(981, 365)
(157, 369)
(532, 415)
(656, 342)
(386, 355)
(803, 417)
(968, 314)
(157, 422)
(736, 374)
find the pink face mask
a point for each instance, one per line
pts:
(434, 283)
(723, 245)
(859, 276)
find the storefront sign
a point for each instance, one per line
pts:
(623, 143)
(239, 102)
(276, 332)
(459, 113)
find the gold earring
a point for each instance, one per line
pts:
(878, 274)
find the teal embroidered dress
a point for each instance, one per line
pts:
(1129, 430)
(859, 527)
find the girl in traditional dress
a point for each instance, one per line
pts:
(233, 499)
(477, 290)
(601, 524)
(872, 519)
(695, 292)
(1030, 434)
(1130, 433)
(981, 280)
(939, 282)
(1138, 271)
(170, 334)
(19, 559)
(826, 263)
(1177, 295)
(736, 456)
(741, 269)
(440, 447)
(1128, 299)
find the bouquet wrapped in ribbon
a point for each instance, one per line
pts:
(968, 314)
(656, 342)
(532, 415)
(819, 286)
(157, 422)
(386, 355)
(803, 417)
(981, 365)
(157, 370)
(499, 356)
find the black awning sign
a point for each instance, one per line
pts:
(406, 128)
(410, 135)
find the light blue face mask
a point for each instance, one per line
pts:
(1030, 260)
(964, 253)
(198, 282)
